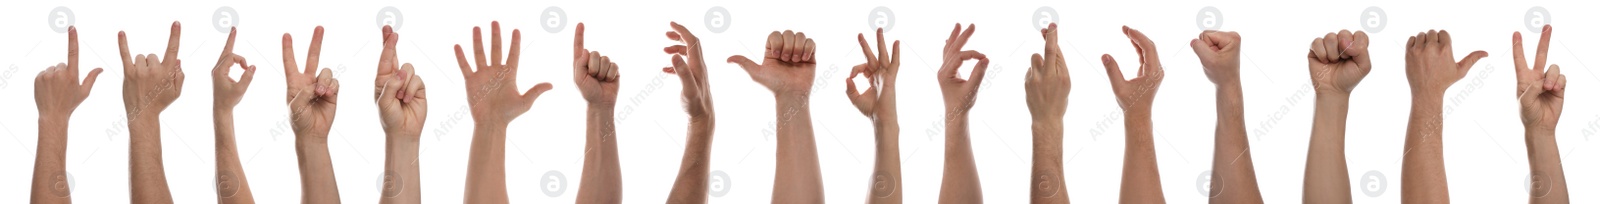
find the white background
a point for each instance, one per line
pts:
(1484, 153)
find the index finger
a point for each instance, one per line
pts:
(122, 44)
(577, 42)
(72, 50)
(387, 58)
(227, 48)
(172, 44)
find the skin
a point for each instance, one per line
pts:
(596, 78)
(878, 104)
(1430, 69)
(689, 65)
(1337, 61)
(150, 84)
(787, 70)
(493, 98)
(403, 107)
(1233, 174)
(57, 93)
(960, 184)
(232, 187)
(312, 99)
(1047, 84)
(1141, 182)
(1541, 92)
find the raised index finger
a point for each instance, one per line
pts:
(122, 44)
(577, 42)
(172, 44)
(72, 49)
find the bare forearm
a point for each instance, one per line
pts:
(1327, 176)
(149, 178)
(798, 177)
(402, 178)
(232, 187)
(886, 180)
(1231, 163)
(602, 176)
(1047, 182)
(694, 172)
(1423, 170)
(49, 165)
(1141, 179)
(960, 170)
(317, 184)
(1549, 181)
(486, 166)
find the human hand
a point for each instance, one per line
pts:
(400, 94)
(1540, 91)
(696, 86)
(150, 83)
(226, 92)
(595, 74)
(56, 90)
(1339, 61)
(312, 96)
(789, 65)
(1139, 92)
(1048, 81)
(1430, 64)
(960, 94)
(492, 89)
(1219, 54)
(880, 71)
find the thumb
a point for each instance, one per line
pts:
(1113, 71)
(533, 93)
(746, 63)
(88, 82)
(1201, 48)
(246, 78)
(1467, 62)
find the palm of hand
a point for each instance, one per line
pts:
(960, 94)
(312, 96)
(56, 90)
(691, 71)
(401, 97)
(1540, 91)
(880, 71)
(492, 88)
(150, 82)
(225, 90)
(1048, 81)
(1137, 93)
